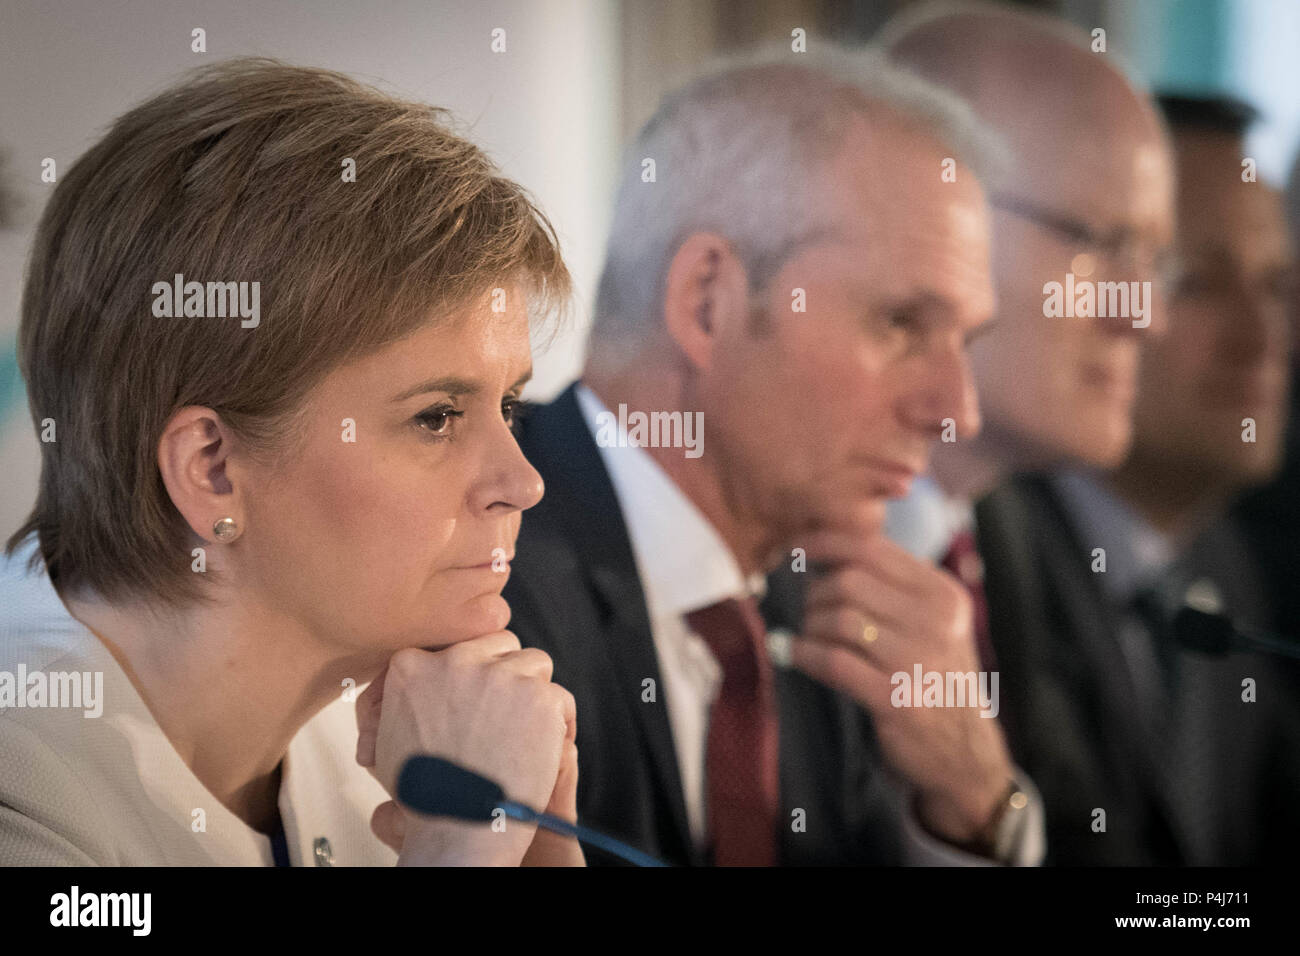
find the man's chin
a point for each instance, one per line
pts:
(1092, 439)
(866, 515)
(1105, 452)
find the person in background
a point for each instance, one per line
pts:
(1193, 759)
(1270, 515)
(1089, 198)
(797, 287)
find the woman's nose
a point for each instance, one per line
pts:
(510, 482)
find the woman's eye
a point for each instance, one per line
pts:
(512, 410)
(437, 421)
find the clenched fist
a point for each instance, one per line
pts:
(490, 706)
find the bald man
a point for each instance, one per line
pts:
(1087, 199)
(1215, 740)
(1081, 223)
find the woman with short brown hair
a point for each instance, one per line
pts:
(274, 332)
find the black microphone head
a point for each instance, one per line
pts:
(441, 788)
(1207, 633)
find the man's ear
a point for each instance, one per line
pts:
(705, 295)
(194, 458)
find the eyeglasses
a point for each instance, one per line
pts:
(1118, 245)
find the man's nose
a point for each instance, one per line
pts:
(944, 402)
(1130, 301)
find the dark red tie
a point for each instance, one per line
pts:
(743, 779)
(963, 561)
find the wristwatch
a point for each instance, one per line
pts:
(1002, 832)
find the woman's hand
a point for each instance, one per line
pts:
(389, 821)
(485, 704)
(552, 849)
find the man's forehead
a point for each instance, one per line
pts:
(888, 151)
(910, 194)
(917, 283)
(1129, 182)
(1218, 220)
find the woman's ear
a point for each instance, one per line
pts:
(705, 296)
(194, 458)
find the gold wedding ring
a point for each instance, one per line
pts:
(869, 633)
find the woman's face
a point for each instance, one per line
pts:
(395, 524)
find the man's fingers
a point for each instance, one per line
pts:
(879, 599)
(876, 553)
(842, 669)
(847, 627)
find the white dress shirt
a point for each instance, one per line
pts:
(927, 519)
(685, 565)
(111, 790)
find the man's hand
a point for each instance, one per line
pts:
(485, 704)
(956, 761)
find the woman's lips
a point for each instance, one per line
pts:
(498, 562)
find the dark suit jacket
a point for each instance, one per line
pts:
(1270, 517)
(575, 593)
(1073, 717)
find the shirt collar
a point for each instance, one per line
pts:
(1137, 554)
(926, 519)
(683, 562)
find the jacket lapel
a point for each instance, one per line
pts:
(561, 447)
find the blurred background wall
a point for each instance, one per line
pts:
(576, 80)
(547, 109)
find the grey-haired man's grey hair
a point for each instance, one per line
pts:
(741, 151)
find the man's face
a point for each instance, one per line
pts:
(402, 536)
(1059, 389)
(1225, 357)
(822, 415)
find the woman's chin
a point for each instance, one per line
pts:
(480, 615)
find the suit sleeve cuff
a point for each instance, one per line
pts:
(1021, 838)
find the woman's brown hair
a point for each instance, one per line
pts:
(239, 174)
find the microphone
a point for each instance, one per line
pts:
(440, 788)
(1216, 634)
